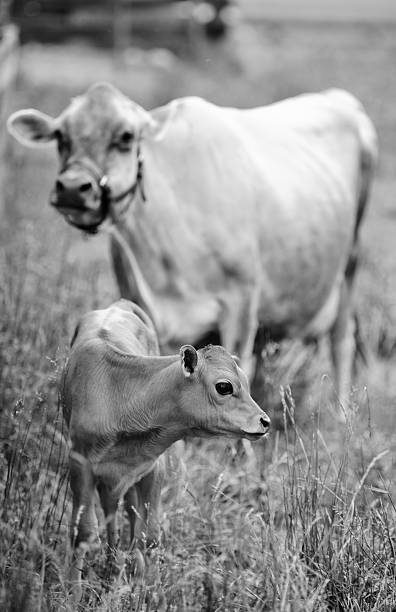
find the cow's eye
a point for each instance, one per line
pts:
(125, 141)
(62, 140)
(224, 387)
(63, 143)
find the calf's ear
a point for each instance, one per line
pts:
(31, 127)
(189, 359)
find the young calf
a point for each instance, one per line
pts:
(125, 405)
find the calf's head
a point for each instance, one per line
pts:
(98, 138)
(215, 398)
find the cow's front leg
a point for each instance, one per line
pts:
(238, 329)
(239, 324)
(123, 273)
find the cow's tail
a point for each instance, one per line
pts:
(368, 148)
(368, 162)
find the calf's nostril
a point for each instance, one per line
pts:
(265, 422)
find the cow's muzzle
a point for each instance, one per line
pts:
(81, 199)
(83, 195)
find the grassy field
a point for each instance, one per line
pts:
(310, 524)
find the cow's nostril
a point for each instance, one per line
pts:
(59, 186)
(265, 422)
(85, 187)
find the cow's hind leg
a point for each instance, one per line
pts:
(344, 334)
(84, 525)
(343, 345)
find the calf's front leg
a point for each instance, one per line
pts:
(84, 525)
(143, 506)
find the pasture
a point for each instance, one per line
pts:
(310, 524)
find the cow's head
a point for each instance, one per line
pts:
(215, 396)
(98, 138)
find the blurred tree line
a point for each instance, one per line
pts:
(145, 22)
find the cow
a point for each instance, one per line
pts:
(241, 222)
(125, 406)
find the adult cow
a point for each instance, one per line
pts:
(233, 220)
(125, 405)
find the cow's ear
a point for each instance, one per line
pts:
(159, 120)
(189, 359)
(31, 127)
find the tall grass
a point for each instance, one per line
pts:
(306, 535)
(34, 328)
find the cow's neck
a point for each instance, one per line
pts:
(157, 259)
(159, 235)
(162, 293)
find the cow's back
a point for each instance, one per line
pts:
(277, 157)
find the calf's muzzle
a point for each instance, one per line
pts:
(257, 428)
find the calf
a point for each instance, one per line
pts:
(125, 405)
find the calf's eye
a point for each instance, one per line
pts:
(125, 140)
(224, 387)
